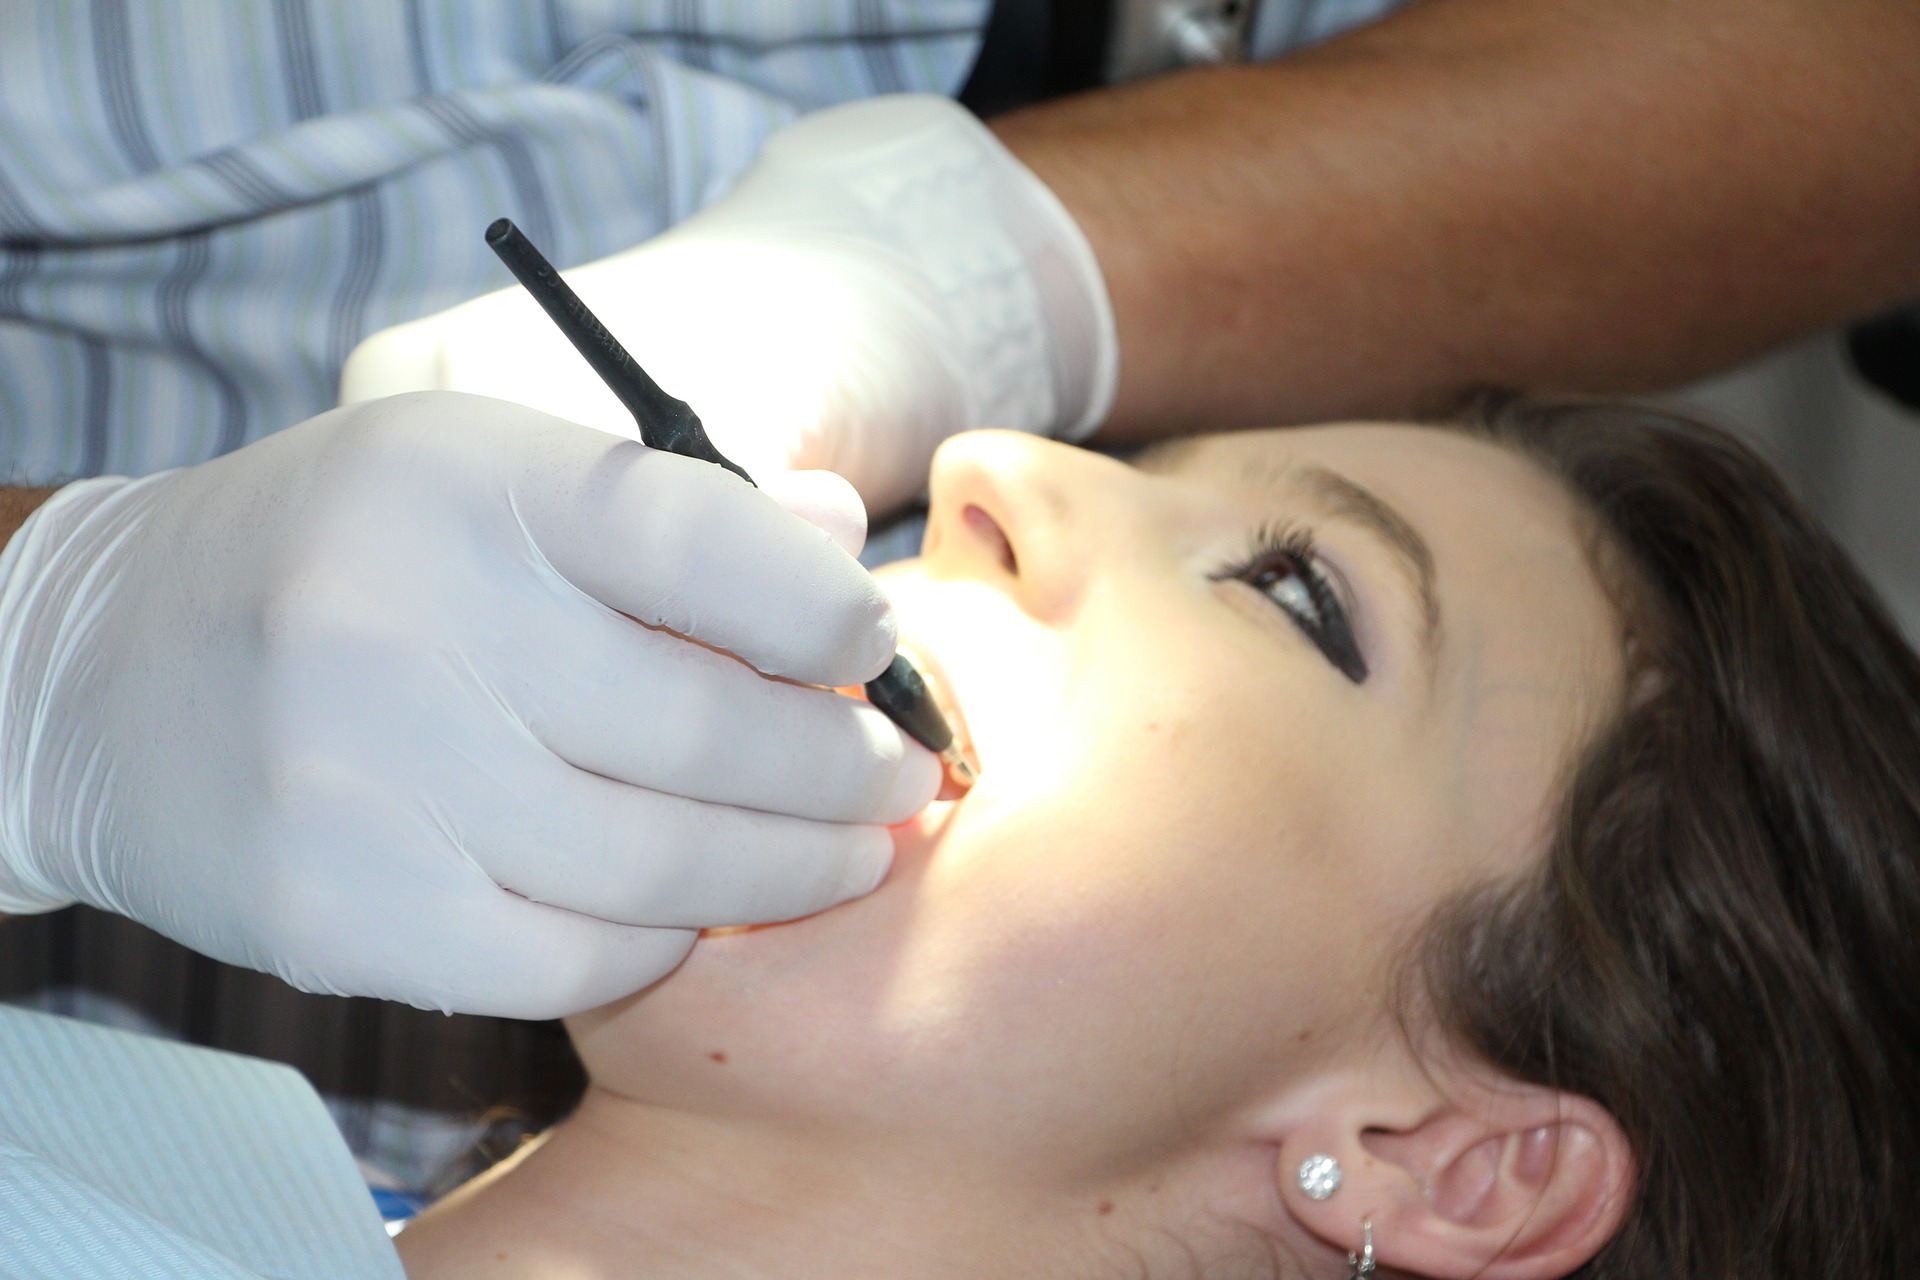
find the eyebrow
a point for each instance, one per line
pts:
(1345, 498)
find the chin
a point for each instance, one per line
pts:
(755, 991)
(836, 933)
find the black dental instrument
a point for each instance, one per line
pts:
(665, 422)
(671, 424)
(902, 697)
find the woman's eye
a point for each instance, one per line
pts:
(1283, 568)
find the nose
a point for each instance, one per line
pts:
(1018, 512)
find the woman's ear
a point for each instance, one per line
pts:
(1463, 1176)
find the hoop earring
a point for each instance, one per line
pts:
(1360, 1265)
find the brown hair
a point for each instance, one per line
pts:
(1723, 944)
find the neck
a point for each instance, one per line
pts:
(625, 1189)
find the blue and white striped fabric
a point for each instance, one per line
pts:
(204, 204)
(1281, 26)
(122, 1155)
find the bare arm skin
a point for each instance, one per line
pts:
(1554, 194)
(15, 506)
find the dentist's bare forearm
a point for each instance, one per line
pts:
(15, 506)
(1537, 193)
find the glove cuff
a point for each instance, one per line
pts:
(1032, 326)
(1084, 346)
(37, 593)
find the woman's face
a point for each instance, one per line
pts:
(1245, 710)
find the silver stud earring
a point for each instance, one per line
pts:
(1360, 1265)
(1319, 1176)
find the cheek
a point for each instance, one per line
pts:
(1158, 907)
(1142, 912)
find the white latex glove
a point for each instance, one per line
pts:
(356, 705)
(885, 275)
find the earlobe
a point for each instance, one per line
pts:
(1511, 1182)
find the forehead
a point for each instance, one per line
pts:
(1451, 491)
(1265, 456)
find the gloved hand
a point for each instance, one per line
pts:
(885, 275)
(356, 705)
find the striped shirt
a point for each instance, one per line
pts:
(205, 204)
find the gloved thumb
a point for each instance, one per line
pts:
(821, 498)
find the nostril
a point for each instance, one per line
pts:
(987, 529)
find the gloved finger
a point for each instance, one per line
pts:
(688, 546)
(552, 963)
(632, 856)
(652, 710)
(507, 957)
(398, 908)
(822, 499)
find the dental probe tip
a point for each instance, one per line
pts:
(959, 765)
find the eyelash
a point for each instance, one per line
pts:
(1279, 554)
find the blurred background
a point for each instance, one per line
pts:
(1851, 450)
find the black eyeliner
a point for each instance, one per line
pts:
(1275, 547)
